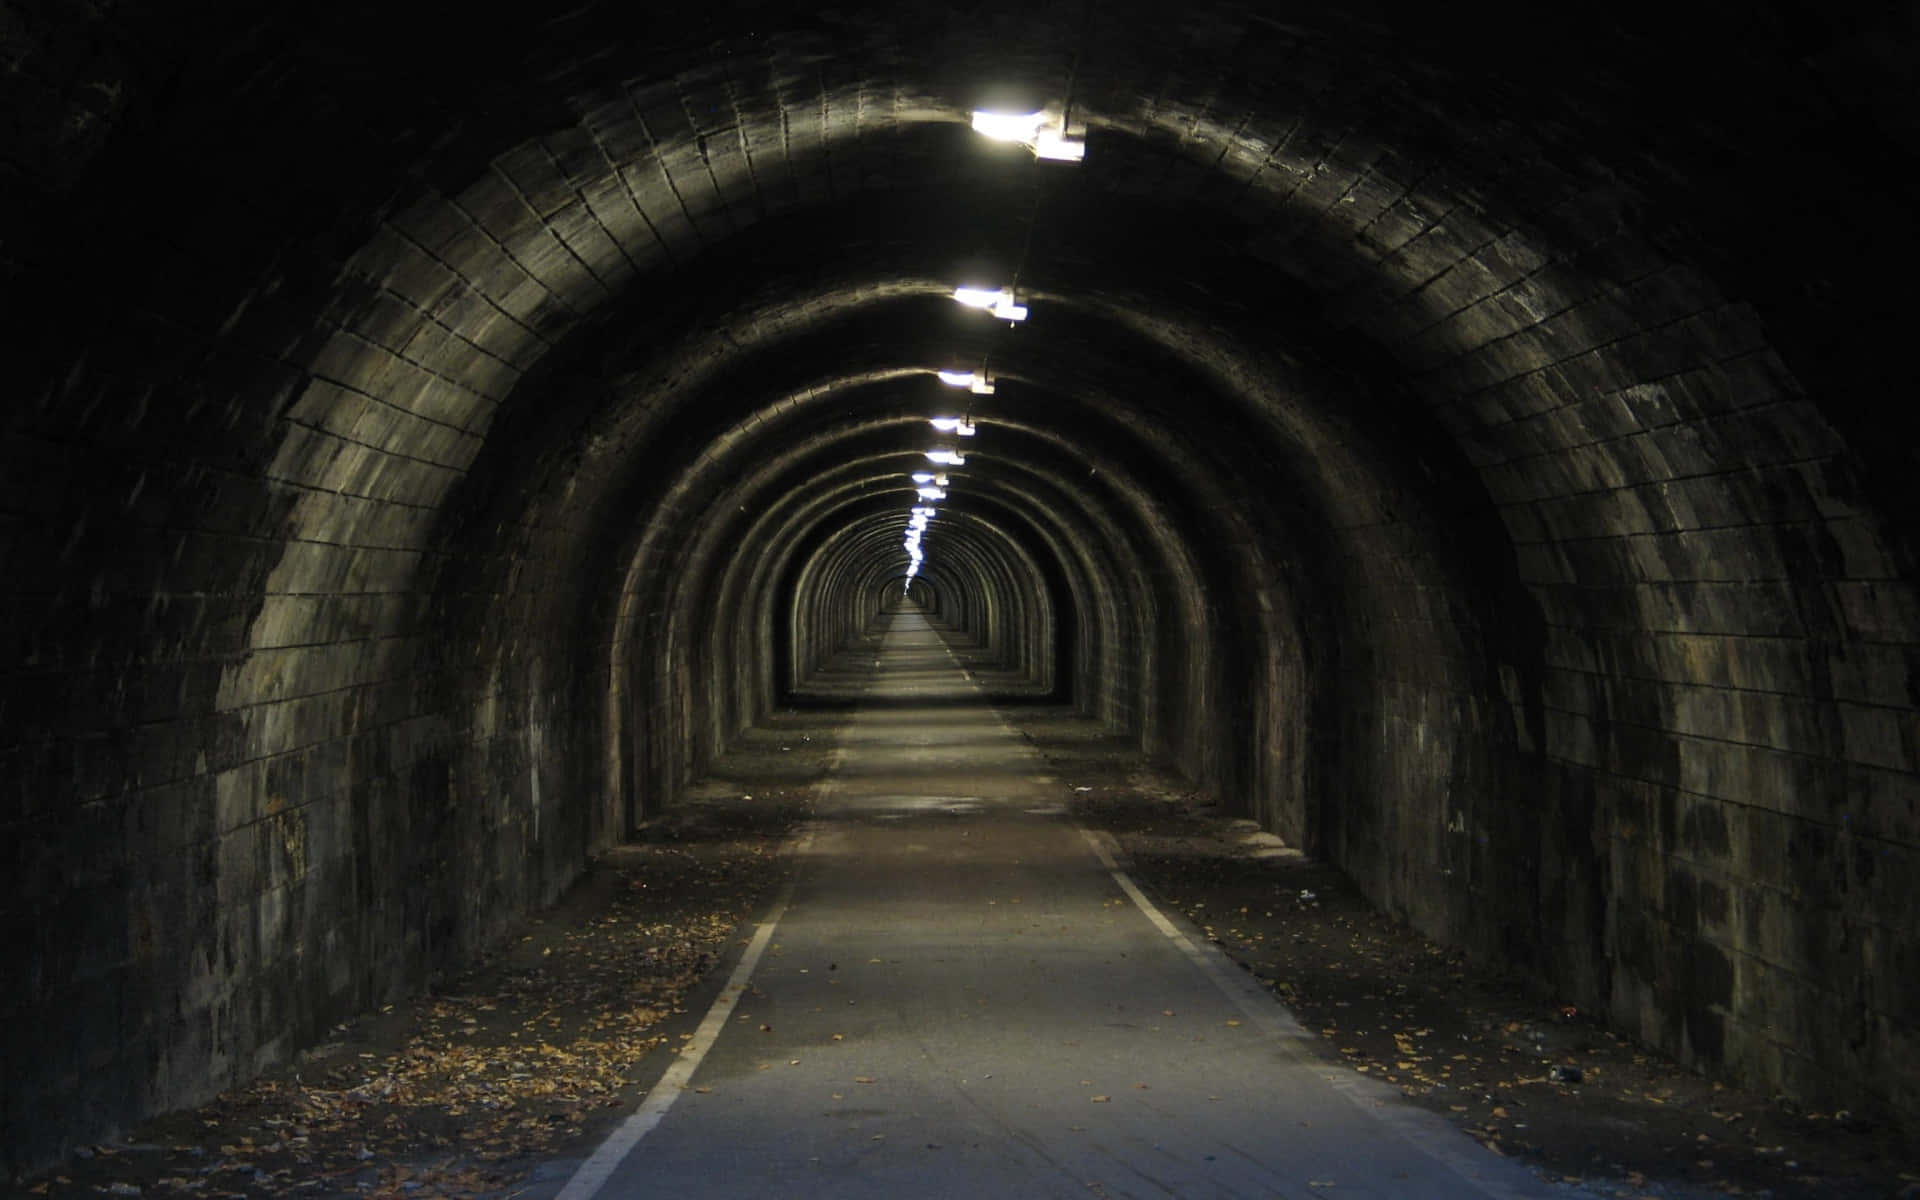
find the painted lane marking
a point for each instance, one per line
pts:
(1434, 1137)
(600, 1166)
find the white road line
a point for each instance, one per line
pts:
(600, 1166)
(594, 1173)
(1234, 983)
(1435, 1137)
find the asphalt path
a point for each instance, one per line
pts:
(963, 995)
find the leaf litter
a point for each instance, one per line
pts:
(1528, 1076)
(454, 1095)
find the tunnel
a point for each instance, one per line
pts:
(1468, 448)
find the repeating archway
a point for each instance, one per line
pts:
(1413, 468)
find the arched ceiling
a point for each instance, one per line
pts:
(1408, 393)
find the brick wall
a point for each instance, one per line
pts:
(1462, 492)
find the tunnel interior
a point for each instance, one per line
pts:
(1469, 451)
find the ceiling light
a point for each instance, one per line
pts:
(957, 425)
(1008, 127)
(1044, 133)
(978, 384)
(931, 493)
(997, 301)
(974, 297)
(1058, 147)
(947, 458)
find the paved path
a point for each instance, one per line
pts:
(962, 999)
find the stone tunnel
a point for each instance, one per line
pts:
(1469, 449)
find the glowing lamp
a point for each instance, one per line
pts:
(974, 297)
(997, 301)
(1008, 127)
(978, 384)
(1058, 147)
(1045, 133)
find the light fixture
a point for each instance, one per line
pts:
(923, 476)
(974, 297)
(974, 382)
(1058, 147)
(947, 458)
(997, 301)
(925, 510)
(1008, 127)
(955, 425)
(931, 493)
(1045, 133)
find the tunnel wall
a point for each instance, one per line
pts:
(1713, 715)
(283, 736)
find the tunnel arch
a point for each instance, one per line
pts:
(314, 512)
